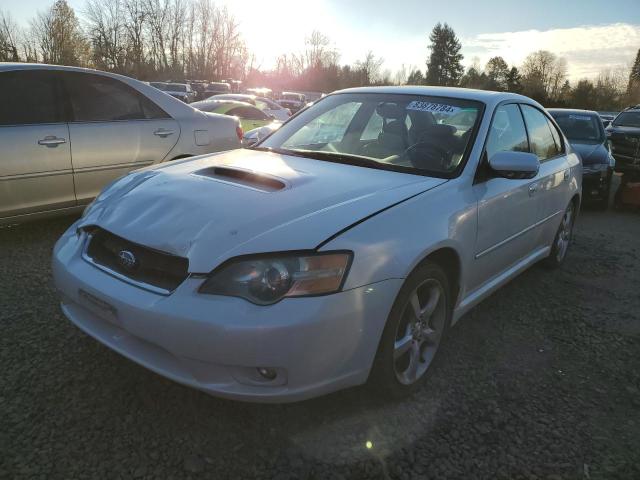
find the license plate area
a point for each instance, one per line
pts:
(98, 306)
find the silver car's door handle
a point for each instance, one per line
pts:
(532, 189)
(163, 133)
(51, 141)
(566, 174)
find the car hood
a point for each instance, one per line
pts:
(214, 207)
(591, 154)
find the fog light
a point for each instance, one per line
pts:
(268, 373)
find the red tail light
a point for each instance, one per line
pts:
(239, 132)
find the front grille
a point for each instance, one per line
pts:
(142, 265)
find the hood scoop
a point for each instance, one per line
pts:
(243, 178)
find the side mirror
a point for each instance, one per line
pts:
(515, 165)
(272, 117)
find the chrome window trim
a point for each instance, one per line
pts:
(119, 276)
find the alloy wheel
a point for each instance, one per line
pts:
(419, 331)
(564, 234)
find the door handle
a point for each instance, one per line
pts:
(532, 189)
(51, 141)
(566, 175)
(163, 133)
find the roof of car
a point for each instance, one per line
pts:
(221, 103)
(573, 110)
(486, 96)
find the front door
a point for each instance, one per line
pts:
(114, 129)
(35, 158)
(508, 209)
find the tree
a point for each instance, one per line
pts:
(444, 66)
(415, 78)
(107, 34)
(633, 87)
(543, 75)
(514, 80)
(497, 72)
(369, 69)
(583, 94)
(59, 36)
(8, 38)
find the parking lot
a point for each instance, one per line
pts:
(540, 381)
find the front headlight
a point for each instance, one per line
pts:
(266, 279)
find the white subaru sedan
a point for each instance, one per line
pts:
(338, 251)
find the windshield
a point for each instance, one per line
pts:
(291, 96)
(416, 134)
(580, 127)
(177, 87)
(627, 119)
(159, 85)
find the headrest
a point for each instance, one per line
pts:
(391, 110)
(395, 127)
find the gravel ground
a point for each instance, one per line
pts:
(542, 380)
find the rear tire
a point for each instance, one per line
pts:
(419, 320)
(562, 240)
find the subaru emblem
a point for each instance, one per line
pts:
(127, 260)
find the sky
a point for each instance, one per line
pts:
(593, 35)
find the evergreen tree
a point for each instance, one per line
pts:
(444, 66)
(514, 80)
(633, 88)
(497, 72)
(415, 78)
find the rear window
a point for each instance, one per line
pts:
(580, 127)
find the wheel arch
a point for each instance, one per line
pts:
(448, 258)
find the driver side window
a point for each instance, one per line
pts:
(507, 132)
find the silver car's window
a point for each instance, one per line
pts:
(507, 132)
(29, 97)
(540, 137)
(96, 98)
(411, 132)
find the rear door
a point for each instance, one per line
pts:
(507, 210)
(35, 156)
(114, 129)
(552, 185)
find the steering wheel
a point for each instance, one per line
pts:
(426, 155)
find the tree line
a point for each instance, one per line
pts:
(196, 39)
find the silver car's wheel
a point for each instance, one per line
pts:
(563, 237)
(419, 331)
(416, 327)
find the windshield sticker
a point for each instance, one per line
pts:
(580, 117)
(433, 107)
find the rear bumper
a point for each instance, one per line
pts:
(316, 345)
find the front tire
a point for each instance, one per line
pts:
(418, 322)
(563, 238)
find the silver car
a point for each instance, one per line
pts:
(337, 251)
(66, 132)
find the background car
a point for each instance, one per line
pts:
(292, 101)
(216, 88)
(331, 255)
(250, 117)
(624, 135)
(267, 105)
(181, 91)
(607, 117)
(256, 135)
(66, 132)
(585, 132)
